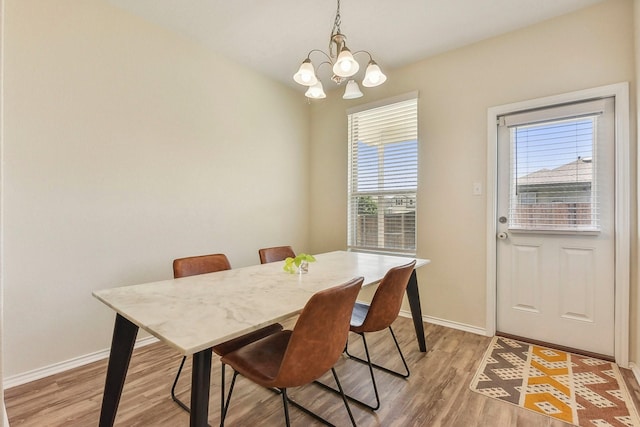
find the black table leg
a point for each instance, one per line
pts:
(200, 379)
(124, 337)
(416, 310)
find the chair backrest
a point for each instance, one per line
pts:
(276, 253)
(190, 266)
(319, 336)
(387, 301)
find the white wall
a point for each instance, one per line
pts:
(4, 421)
(126, 146)
(588, 48)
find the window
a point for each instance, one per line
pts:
(553, 168)
(383, 177)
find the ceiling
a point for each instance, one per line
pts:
(275, 36)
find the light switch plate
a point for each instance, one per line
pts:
(477, 188)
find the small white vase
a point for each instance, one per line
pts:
(303, 268)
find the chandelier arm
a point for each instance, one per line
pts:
(324, 62)
(363, 51)
(318, 50)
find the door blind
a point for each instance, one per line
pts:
(383, 178)
(553, 186)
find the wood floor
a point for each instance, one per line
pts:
(436, 394)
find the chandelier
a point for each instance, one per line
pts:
(343, 65)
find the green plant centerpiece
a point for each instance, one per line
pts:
(300, 262)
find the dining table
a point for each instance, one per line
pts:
(193, 314)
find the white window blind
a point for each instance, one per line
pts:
(553, 186)
(383, 178)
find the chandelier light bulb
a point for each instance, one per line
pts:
(373, 76)
(316, 91)
(346, 65)
(306, 75)
(352, 91)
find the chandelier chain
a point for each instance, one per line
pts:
(336, 30)
(337, 21)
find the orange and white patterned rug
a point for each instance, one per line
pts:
(576, 389)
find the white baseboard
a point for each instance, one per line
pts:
(57, 368)
(449, 324)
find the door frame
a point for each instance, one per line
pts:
(620, 92)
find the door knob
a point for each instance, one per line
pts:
(502, 235)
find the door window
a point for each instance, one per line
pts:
(552, 169)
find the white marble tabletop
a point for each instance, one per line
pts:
(197, 312)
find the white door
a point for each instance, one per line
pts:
(555, 222)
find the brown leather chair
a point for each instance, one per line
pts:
(276, 253)
(294, 358)
(377, 316)
(191, 266)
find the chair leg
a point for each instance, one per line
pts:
(223, 414)
(373, 378)
(371, 365)
(286, 400)
(285, 405)
(173, 387)
(344, 398)
(404, 362)
(382, 368)
(306, 410)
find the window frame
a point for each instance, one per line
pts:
(389, 213)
